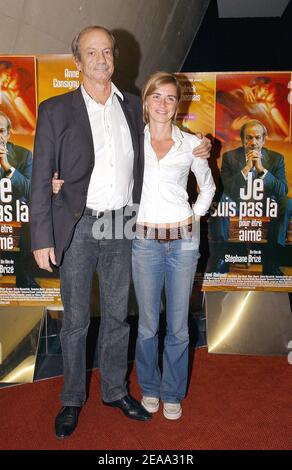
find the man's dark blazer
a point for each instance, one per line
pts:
(275, 184)
(21, 159)
(64, 143)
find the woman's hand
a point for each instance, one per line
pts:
(56, 183)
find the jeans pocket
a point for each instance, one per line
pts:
(191, 243)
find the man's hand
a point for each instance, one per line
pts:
(56, 183)
(246, 169)
(249, 163)
(256, 157)
(203, 150)
(4, 163)
(43, 258)
(3, 148)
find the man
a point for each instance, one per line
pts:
(93, 137)
(262, 163)
(16, 164)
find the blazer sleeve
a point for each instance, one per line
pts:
(41, 190)
(21, 178)
(275, 181)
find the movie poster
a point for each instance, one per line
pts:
(25, 81)
(248, 238)
(249, 235)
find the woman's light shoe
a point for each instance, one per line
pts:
(172, 410)
(151, 404)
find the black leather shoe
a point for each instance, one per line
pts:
(131, 408)
(24, 280)
(66, 421)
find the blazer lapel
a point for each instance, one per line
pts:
(81, 117)
(241, 158)
(266, 159)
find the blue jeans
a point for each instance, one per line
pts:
(111, 259)
(156, 265)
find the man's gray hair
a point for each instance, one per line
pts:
(9, 123)
(75, 45)
(252, 122)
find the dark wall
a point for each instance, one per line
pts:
(232, 44)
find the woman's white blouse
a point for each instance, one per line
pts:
(164, 197)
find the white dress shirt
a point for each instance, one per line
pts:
(164, 196)
(111, 183)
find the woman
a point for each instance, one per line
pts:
(165, 249)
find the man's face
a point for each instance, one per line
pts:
(97, 60)
(4, 134)
(253, 138)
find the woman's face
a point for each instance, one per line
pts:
(162, 103)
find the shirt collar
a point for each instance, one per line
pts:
(114, 91)
(177, 135)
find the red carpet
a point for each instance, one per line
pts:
(234, 402)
